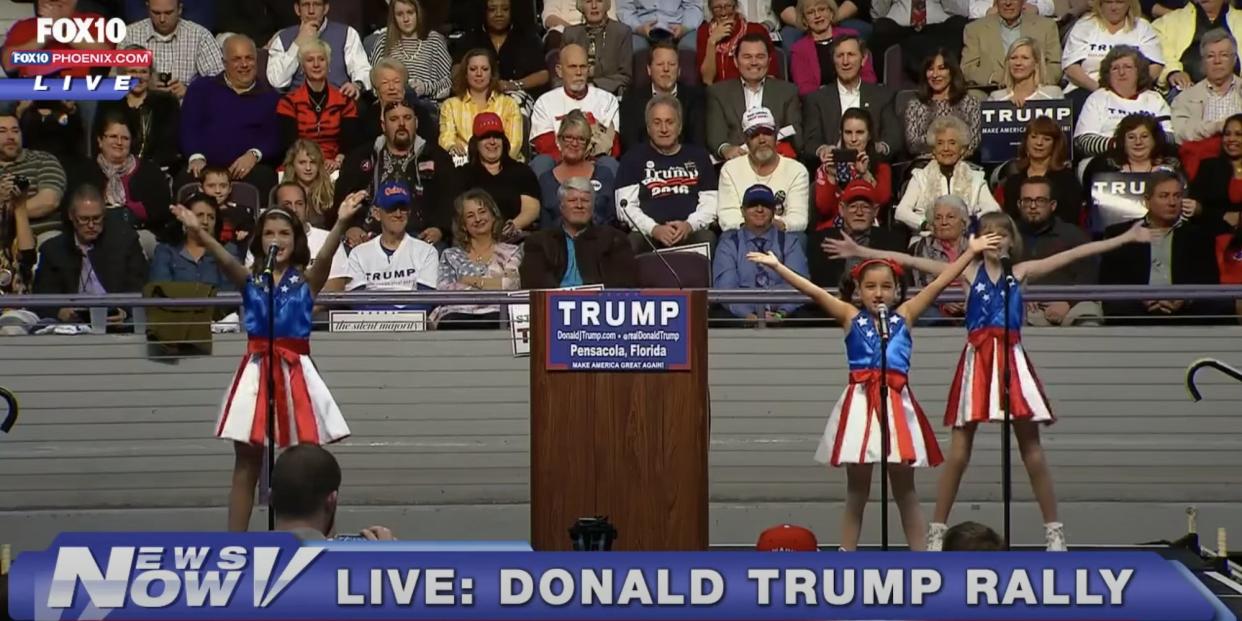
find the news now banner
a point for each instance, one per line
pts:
(221, 576)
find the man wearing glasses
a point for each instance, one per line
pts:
(348, 67)
(96, 255)
(1045, 235)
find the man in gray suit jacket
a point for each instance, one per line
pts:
(614, 57)
(727, 101)
(825, 106)
(986, 53)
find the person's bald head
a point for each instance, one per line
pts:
(573, 68)
(240, 60)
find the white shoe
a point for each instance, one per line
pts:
(1054, 535)
(935, 536)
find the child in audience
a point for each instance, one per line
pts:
(238, 220)
(849, 437)
(315, 417)
(974, 396)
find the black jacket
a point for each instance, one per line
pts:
(162, 144)
(1211, 188)
(428, 175)
(634, 116)
(604, 257)
(827, 272)
(148, 186)
(116, 258)
(821, 119)
(1194, 263)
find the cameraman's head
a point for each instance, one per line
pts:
(305, 483)
(972, 537)
(10, 137)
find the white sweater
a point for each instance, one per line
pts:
(790, 177)
(928, 183)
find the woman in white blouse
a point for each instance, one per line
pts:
(1024, 80)
(1110, 23)
(947, 173)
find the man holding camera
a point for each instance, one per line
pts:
(34, 177)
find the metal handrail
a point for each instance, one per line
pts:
(1036, 293)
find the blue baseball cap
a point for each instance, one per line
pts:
(392, 194)
(759, 194)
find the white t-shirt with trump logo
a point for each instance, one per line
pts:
(1104, 109)
(372, 267)
(1088, 42)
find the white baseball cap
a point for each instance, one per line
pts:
(758, 117)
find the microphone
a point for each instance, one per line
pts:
(1007, 267)
(270, 264)
(659, 255)
(882, 312)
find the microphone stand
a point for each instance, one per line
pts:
(884, 439)
(1006, 475)
(271, 391)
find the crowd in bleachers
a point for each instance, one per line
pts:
(511, 144)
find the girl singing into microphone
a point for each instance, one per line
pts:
(974, 395)
(851, 437)
(305, 410)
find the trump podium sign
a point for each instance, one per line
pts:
(618, 330)
(273, 576)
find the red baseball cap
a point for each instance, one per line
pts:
(858, 189)
(787, 538)
(486, 123)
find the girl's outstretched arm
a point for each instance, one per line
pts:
(1040, 267)
(837, 309)
(847, 248)
(317, 275)
(914, 307)
(229, 265)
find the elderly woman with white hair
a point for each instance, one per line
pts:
(608, 42)
(1024, 75)
(947, 224)
(947, 173)
(316, 110)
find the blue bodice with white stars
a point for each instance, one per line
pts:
(294, 303)
(862, 343)
(985, 305)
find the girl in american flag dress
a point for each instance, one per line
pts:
(974, 395)
(305, 410)
(850, 437)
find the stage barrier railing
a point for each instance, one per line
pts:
(113, 433)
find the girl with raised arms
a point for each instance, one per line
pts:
(974, 396)
(305, 410)
(850, 437)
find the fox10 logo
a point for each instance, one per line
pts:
(78, 30)
(72, 48)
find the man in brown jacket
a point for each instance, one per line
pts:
(579, 252)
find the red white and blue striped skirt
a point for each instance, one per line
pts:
(305, 410)
(853, 434)
(975, 396)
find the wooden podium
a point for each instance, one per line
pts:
(631, 446)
